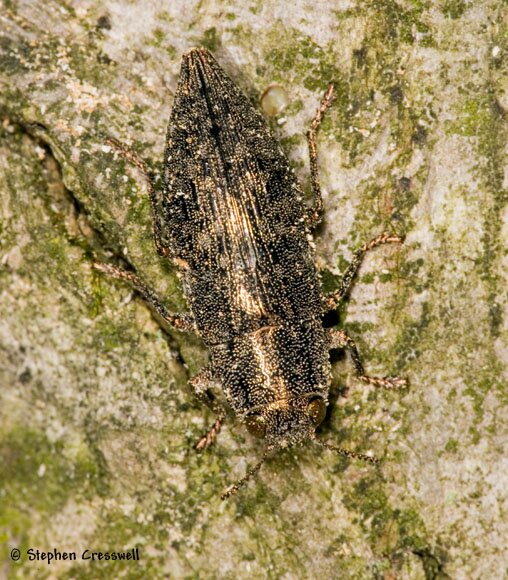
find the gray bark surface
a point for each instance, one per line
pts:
(96, 420)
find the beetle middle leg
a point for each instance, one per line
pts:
(200, 384)
(314, 213)
(180, 321)
(333, 300)
(339, 339)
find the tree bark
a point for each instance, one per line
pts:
(97, 422)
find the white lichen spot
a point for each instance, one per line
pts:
(42, 470)
(75, 154)
(127, 507)
(13, 258)
(55, 431)
(363, 132)
(101, 371)
(85, 96)
(39, 151)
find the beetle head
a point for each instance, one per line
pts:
(287, 422)
(283, 423)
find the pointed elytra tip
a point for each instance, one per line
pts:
(196, 52)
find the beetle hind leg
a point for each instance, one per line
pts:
(339, 339)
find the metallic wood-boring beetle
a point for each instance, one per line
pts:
(232, 217)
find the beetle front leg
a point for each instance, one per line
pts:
(201, 384)
(339, 339)
(333, 300)
(132, 157)
(183, 322)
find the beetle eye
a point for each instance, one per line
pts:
(256, 425)
(317, 410)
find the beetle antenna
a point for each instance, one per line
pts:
(232, 489)
(344, 452)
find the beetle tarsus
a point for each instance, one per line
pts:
(210, 437)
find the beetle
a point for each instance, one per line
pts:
(232, 217)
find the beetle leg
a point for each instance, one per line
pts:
(333, 300)
(132, 157)
(339, 339)
(183, 322)
(200, 384)
(314, 213)
(208, 438)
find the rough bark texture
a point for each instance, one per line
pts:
(96, 420)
